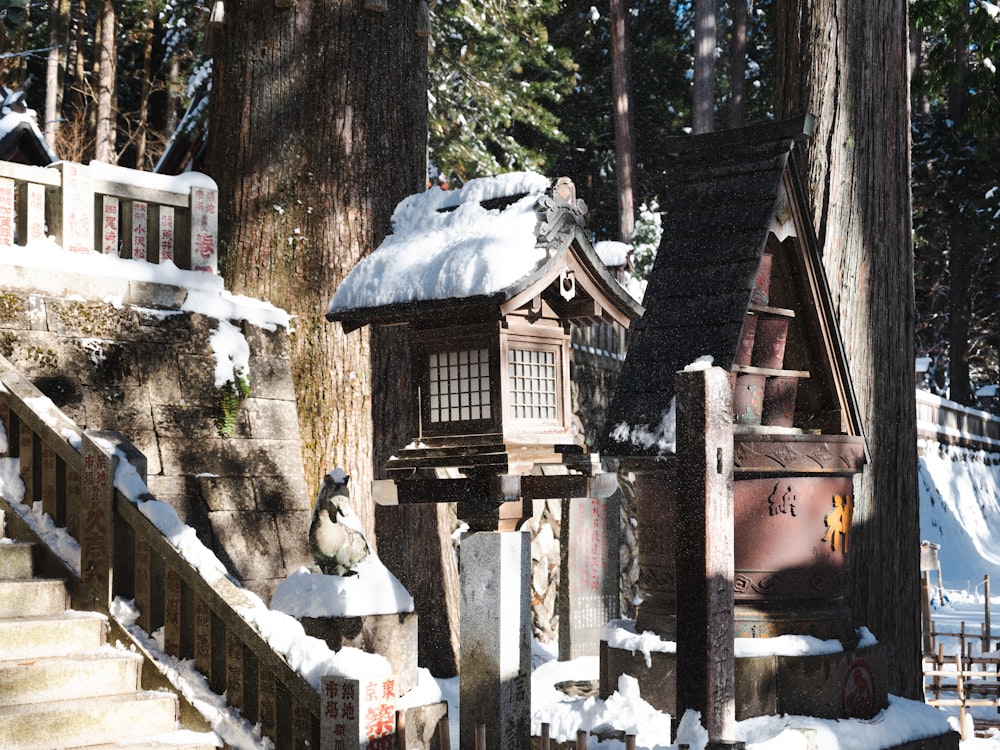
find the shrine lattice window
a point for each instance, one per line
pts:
(532, 378)
(459, 385)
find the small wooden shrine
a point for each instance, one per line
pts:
(21, 141)
(738, 278)
(487, 282)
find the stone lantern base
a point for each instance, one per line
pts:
(850, 683)
(394, 636)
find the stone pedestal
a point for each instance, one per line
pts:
(828, 686)
(392, 636)
(496, 633)
(420, 726)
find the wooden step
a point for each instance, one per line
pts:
(108, 671)
(79, 723)
(40, 636)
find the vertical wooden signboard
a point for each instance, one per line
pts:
(140, 231)
(95, 532)
(166, 234)
(7, 197)
(77, 209)
(110, 225)
(358, 713)
(32, 224)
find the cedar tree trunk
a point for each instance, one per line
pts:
(621, 91)
(703, 109)
(847, 63)
(104, 146)
(318, 129)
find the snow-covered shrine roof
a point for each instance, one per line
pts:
(483, 244)
(22, 141)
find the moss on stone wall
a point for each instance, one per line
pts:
(11, 306)
(98, 320)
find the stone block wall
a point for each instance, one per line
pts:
(121, 355)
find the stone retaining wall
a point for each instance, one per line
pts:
(120, 355)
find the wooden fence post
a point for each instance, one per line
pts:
(704, 550)
(74, 217)
(96, 523)
(204, 229)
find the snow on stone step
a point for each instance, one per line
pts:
(89, 721)
(16, 559)
(181, 739)
(36, 596)
(39, 636)
(106, 672)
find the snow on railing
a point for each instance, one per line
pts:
(950, 423)
(134, 548)
(112, 210)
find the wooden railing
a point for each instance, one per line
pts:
(122, 553)
(112, 210)
(964, 679)
(953, 424)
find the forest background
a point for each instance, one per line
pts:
(524, 84)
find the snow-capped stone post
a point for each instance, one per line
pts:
(73, 218)
(496, 639)
(704, 550)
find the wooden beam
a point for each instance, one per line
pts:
(704, 550)
(582, 308)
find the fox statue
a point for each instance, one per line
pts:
(336, 537)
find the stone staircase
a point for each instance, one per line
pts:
(61, 685)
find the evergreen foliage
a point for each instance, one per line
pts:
(494, 76)
(956, 190)
(648, 232)
(231, 394)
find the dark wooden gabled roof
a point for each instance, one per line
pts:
(23, 143)
(723, 191)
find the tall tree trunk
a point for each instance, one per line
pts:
(106, 132)
(55, 69)
(174, 89)
(312, 144)
(318, 129)
(854, 79)
(146, 87)
(703, 109)
(76, 95)
(960, 255)
(738, 64)
(621, 93)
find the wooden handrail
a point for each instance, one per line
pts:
(200, 617)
